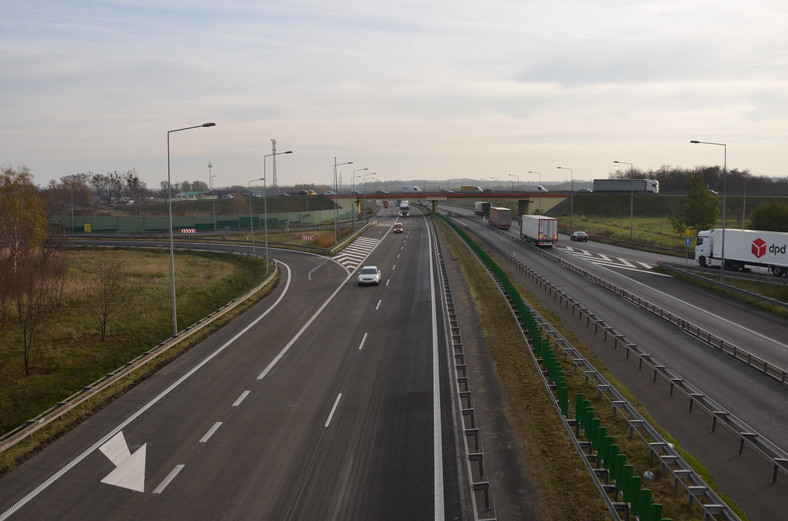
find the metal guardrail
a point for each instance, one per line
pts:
(12, 437)
(777, 457)
(697, 490)
(481, 497)
(768, 368)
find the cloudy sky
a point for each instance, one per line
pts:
(412, 89)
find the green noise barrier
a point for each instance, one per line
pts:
(607, 451)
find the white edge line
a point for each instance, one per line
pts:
(210, 432)
(40, 488)
(333, 410)
(174, 472)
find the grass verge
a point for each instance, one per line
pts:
(566, 490)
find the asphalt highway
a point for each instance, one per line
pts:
(325, 401)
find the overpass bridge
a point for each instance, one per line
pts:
(527, 202)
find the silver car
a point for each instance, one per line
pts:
(369, 275)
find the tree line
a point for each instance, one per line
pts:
(737, 182)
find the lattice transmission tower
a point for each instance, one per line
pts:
(273, 151)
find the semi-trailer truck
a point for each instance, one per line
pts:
(482, 208)
(404, 208)
(743, 248)
(500, 217)
(539, 230)
(647, 186)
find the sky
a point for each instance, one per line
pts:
(412, 90)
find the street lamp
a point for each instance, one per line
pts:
(364, 184)
(724, 177)
(518, 180)
(631, 198)
(540, 188)
(571, 196)
(172, 248)
(352, 196)
(336, 199)
(251, 221)
(213, 195)
(265, 205)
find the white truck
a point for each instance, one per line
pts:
(539, 230)
(645, 186)
(743, 248)
(404, 208)
(500, 217)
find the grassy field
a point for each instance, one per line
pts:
(68, 353)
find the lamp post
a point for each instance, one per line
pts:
(744, 203)
(571, 196)
(724, 177)
(172, 248)
(213, 195)
(353, 195)
(364, 184)
(251, 221)
(540, 188)
(518, 180)
(265, 205)
(631, 198)
(336, 199)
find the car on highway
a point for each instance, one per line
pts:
(398, 228)
(369, 275)
(579, 236)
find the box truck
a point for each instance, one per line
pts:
(539, 230)
(646, 186)
(482, 208)
(743, 248)
(471, 188)
(404, 209)
(500, 217)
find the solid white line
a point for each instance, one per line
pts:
(333, 409)
(378, 306)
(437, 436)
(142, 410)
(241, 398)
(168, 479)
(210, 432)
(361, 345)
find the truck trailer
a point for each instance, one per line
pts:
(539, 230)
(500, 217)
(482, 208)
(641, 186)
(743, 248)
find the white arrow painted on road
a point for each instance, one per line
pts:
(129, 468)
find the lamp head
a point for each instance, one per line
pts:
(209, 124)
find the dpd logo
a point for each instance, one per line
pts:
(759, 247)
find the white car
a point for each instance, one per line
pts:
(369, 275)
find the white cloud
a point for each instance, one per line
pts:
(419, 89)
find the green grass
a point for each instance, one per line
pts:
(68, 353)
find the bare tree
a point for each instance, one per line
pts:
(110, 296)
(37, 285)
